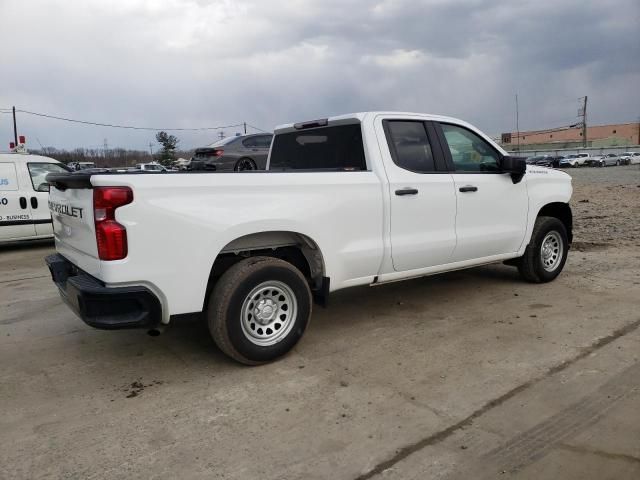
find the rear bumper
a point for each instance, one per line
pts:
(100, 306)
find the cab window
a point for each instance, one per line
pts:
(409, 145)
(8, 177)
(470, 152)
(39, 171)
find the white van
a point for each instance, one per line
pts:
(24, 194)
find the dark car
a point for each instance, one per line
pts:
(244, 152)
(541, 160)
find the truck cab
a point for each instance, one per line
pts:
(24, 191)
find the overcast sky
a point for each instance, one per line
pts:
(201, 63)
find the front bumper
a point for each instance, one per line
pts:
(103, 307)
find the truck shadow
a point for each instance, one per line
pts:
(422, 298)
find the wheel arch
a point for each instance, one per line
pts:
(561, 211)
(293, 247)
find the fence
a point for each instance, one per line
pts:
(566, 151)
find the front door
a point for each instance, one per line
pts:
(422, 197)
(15, 211)
(491, 217)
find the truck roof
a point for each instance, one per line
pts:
(24, 158)
(362, 115)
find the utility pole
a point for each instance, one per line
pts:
(582, 112)
(106, 148)
(220, 134)
(15, 128)
(245, 128)
(151, 149)
(517, 123)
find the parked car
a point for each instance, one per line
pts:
(24, 191)
(630, 158)
(354, 203)
(555, 160)
(545, 161)
(540, 160)
(574, 160)
(81, 165)
(244, 152)
(606, 160)
(151, 167)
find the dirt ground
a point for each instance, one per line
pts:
(472, 374)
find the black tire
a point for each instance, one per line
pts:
(226, 301)
(245, 164)
(530, 265)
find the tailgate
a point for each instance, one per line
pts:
(73, 227)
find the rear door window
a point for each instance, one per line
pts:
(249, 142)
(264, 141)
(327, 148)
(409, 145)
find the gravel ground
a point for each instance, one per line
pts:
(606, 206)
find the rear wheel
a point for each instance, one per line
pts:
(259, 309)
(546, 254)
(245, 164)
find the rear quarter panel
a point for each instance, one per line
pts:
(178, 223)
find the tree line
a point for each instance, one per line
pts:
(120, 157)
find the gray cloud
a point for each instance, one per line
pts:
(183, 63)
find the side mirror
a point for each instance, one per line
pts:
(43, 187)
(515, 166)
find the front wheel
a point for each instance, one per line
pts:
(546, 254)
(259, 309)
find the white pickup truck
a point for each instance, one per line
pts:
(358, 199)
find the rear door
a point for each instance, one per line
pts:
(38, 194)
(257, 148)
(422, 197)
(15, 212)
(491, 216)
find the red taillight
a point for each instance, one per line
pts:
(12, 145)
(22, 139)
(110, 235)
(218, 153)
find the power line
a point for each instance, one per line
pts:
(129, 127)
(256, 128)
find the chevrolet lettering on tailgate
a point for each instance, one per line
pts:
(65, 209)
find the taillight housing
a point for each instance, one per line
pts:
(111, 236)
(218, 153)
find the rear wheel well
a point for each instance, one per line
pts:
(294, 248)
(561, 211)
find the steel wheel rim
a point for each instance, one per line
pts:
(245, 164)
(268, 313)
(551, 251)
